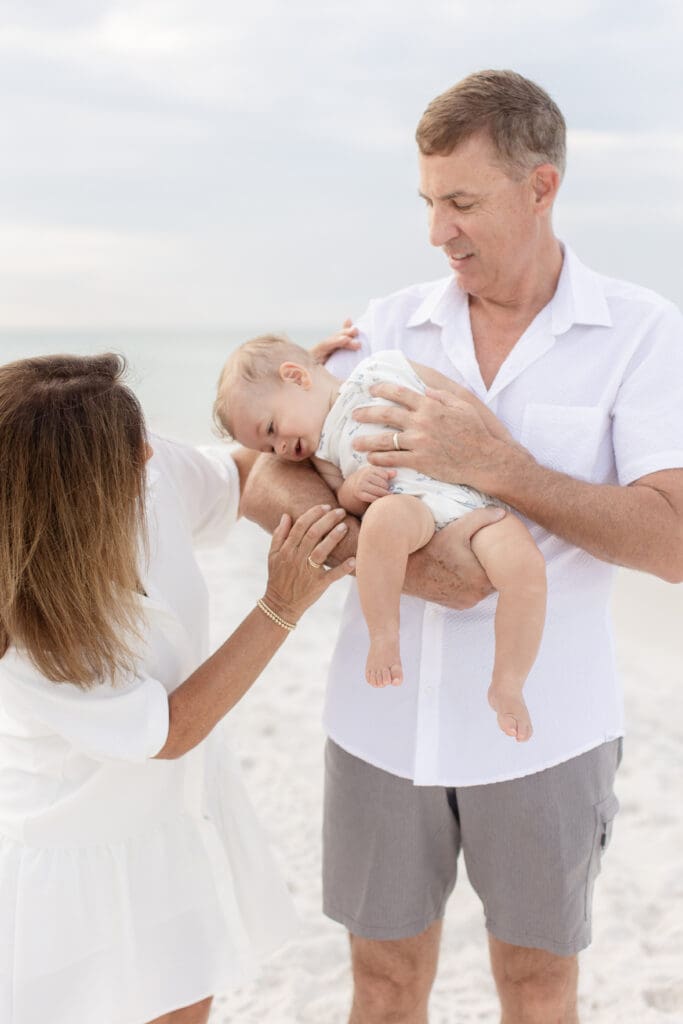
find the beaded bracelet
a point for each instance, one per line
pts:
(289, 626)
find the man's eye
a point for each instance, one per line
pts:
(463, 207)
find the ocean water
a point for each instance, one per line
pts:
(174, 375)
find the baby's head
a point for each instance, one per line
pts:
(273, 397)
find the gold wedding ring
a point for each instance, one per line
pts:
(397, 446)
(314, 565)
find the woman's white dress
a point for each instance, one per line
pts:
(131, 886)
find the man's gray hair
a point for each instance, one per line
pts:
(524, 124)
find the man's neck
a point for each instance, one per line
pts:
(528, 294)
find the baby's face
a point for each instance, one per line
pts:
(279, 416)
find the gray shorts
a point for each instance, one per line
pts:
(532, 846)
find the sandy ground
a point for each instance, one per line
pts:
(633, 972)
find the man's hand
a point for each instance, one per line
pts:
(447, 571)
(345, 338)
(438, 434)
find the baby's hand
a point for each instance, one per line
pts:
(370, 483)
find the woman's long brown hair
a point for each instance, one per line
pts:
(72, 515)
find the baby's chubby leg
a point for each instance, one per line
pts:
(516, 568)
(392, 528)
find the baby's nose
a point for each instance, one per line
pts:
(283, 447)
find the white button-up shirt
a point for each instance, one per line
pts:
(593, 388)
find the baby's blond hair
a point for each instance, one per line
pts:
(256, 360)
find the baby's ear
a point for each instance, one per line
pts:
(293, 373)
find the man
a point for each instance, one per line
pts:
(587, 374)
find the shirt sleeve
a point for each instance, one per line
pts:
(207, 484)
(648, 410)
(126, 721)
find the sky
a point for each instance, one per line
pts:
(205, 164)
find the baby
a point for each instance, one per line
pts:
(273, 397)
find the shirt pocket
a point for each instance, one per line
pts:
(565, 437)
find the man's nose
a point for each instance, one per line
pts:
(443, 226)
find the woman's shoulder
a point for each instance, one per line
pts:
(17, 667)
(203, 483)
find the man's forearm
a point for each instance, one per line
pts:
(444, 572)
(275, 487)
(637, 527)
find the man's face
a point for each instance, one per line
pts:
(280, 417)
(484, 220)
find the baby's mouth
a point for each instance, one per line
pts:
(297, 450)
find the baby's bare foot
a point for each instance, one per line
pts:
(512, 713)
(383, 666)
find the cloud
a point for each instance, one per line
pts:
(167, 161)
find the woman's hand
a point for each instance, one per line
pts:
(345, 338)
(298, 551)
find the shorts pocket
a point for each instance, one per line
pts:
(565, 437)
(605, 813)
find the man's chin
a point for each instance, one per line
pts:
(465, 277)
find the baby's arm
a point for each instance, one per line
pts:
(433, 379)
(359, 489)
(330, 473)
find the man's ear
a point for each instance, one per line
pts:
(293, 373)
(545, 182)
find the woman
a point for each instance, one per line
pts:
(134, 880)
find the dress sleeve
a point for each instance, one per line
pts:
(648, 411)
(206, 483)
(126, 721)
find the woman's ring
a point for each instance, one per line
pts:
(397, 446)
(314, 565)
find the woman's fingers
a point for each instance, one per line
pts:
(320, 516)
(322, 548)
(296, 573)
(330, 575)
(280, 533)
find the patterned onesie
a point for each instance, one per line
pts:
(446, 502)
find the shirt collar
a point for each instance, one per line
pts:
(439, 300)
(579, 299)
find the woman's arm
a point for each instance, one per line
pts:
(218, 684)
(445, 571)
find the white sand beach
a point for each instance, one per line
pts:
(632, 974)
